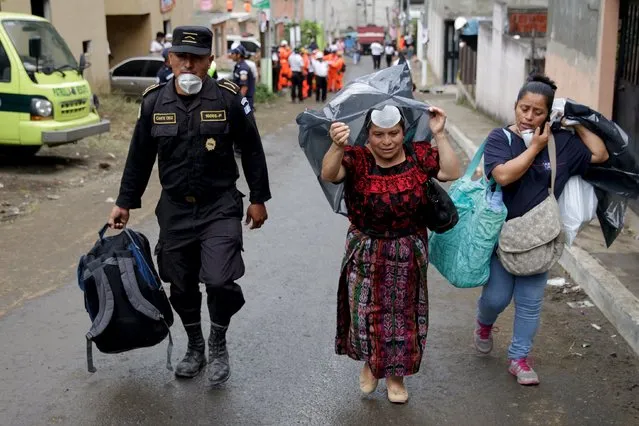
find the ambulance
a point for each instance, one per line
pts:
(44, 97)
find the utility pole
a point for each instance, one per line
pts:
(374, 23)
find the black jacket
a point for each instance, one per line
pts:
(194, 145)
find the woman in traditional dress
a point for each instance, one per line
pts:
(382, 303)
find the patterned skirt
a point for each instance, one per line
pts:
(382, 302)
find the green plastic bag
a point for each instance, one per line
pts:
(462, 255)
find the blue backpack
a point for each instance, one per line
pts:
(462, 255)
(123, 296)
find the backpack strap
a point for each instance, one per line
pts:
(139, 303)
(143, 265)
(131, 288)
(105, 311)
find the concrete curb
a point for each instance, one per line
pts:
(614, 300)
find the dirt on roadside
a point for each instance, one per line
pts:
(27, 183)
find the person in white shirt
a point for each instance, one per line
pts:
(296, 63)
(389, 51)
(321, 73)
(157, 45)
(376, 51)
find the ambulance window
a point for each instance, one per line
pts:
(5, 65)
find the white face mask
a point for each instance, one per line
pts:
(190, 84)
(527, 136)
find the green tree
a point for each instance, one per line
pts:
(310, 30)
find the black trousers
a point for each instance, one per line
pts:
(389, 60)
(202, 243)
(296, 90)
(309, 81)
(377, 62)
(320, 88)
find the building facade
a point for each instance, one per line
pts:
(593, 56)
(123, 28)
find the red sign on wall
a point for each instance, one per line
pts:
(166, 5)
(525, 22)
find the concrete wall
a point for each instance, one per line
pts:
(16, 6)
(451, 9)
(581, 52)
(438, 12)
(128, 36)
(435, 49)
(91, 27)
(180, 15)
(501, 68)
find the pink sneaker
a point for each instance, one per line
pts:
(483, 338)
(525, 374)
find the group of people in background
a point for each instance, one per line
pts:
(308, 70)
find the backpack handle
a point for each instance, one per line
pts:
(102, 231)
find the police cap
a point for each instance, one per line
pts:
(192, 39)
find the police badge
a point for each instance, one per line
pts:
(210, 144)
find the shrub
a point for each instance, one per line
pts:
(263, 94)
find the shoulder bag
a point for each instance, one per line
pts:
(533, 243)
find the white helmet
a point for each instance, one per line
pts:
(460, 23)
(284, 43)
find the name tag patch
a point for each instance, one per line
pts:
(213, 115)
(247, 106)
(164, 118)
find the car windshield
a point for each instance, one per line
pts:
(55, 52)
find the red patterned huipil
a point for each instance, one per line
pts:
(382, 303)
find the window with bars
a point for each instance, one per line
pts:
(629, 44)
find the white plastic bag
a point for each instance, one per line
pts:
(578, 206)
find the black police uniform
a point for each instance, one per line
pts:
(164, 74)
(200, 209)
(243, 76)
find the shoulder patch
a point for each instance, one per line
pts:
(229, 85)
(151, 88)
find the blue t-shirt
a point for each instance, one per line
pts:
(573, 158)
(243, 76)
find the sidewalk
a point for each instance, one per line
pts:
(610, 276)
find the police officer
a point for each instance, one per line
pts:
(165, 72)
(190, 124)
(242, 74)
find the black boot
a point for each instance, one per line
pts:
(194, 360)
(219, 370)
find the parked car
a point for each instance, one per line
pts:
(132, 76)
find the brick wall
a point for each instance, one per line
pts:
(523, 22)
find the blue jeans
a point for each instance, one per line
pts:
(529, 295)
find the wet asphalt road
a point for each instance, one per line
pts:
(281, 345)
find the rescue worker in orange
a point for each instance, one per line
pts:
(329, 58)
(285, 69)
(340, 67)
(305, 72)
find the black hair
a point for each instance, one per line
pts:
(159, 34)
(539, 84)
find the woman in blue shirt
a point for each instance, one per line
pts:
(517, 158)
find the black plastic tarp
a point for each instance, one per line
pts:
(615, 181)
(390, 86)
